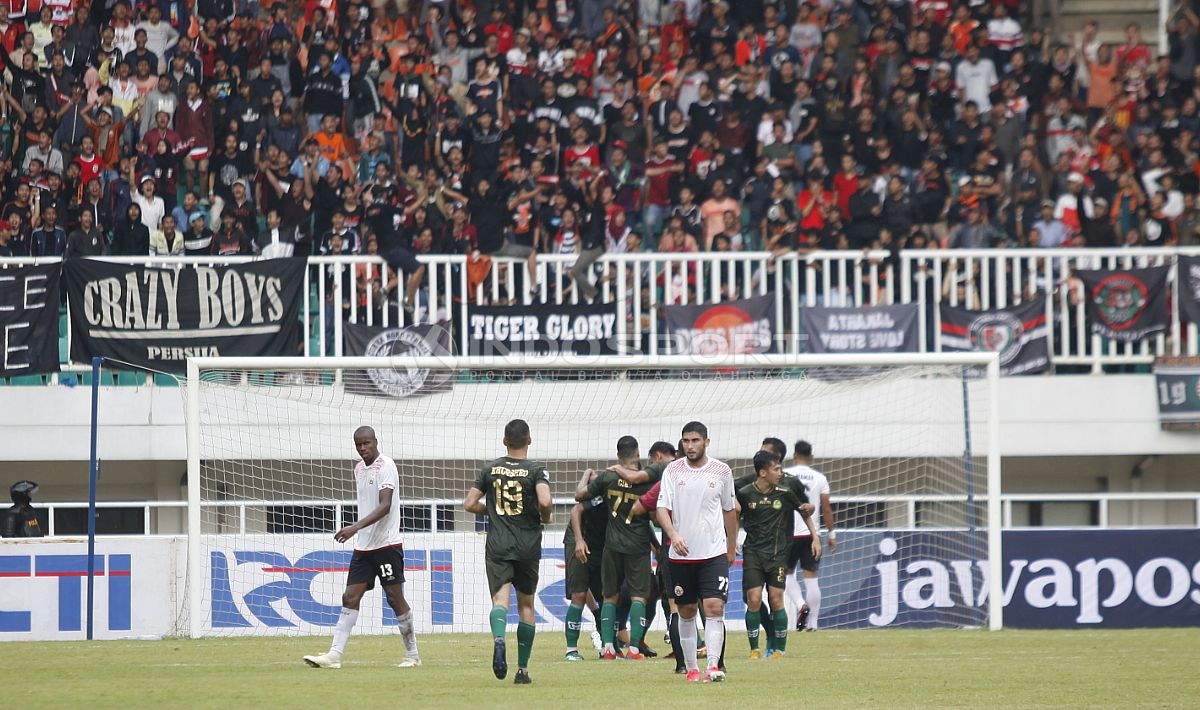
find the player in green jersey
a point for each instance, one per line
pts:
(766, 507)
(627, 545)
(583, 548)
(518, 504)
(775, 446)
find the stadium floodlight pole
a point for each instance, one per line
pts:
(93, 474)
(195, 567)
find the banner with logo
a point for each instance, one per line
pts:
(423, 339)
(543, 328)
(1189, 288)
(870, 329)
(29, 298)
(156, 318)
(1126, 305)
(1019, 334)
(735, 327)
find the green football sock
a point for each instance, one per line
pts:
(768, 624)
(637, 623)
(608, 623)
(498, 619)
(752, 621)
(574, 621)
(525, 632)
(781, 629)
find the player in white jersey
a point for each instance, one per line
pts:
(816, 486)
(378, 551)
(697, 512)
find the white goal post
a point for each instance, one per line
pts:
(906, 432)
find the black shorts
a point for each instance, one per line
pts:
(632, 569)
(700, 579)
(401, 259)
(523, 574)
(758, 570)
(582, 576)
(801, 555)
(386, 563)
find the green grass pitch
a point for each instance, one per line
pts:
(828, 669)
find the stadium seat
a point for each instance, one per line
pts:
(27, 381)
(130, 379)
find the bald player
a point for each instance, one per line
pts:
(378, 551)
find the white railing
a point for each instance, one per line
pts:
(910, 519)
(640, 284)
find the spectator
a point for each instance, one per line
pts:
(87, 240)
(49, 239)
(975, 234)
(1047, 231)
(132, 237)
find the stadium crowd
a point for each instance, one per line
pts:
(521, 127)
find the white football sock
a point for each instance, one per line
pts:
(409, 636)
(814, 600)
(794, 592)
(341, 632)
(714, 638)
(687, 641)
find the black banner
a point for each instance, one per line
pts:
(543, 328)
(735, 327)
(156, 318)
(421, 340)
(1019, 334)
(1189, 288)
(1126, 305)
(870, 329)
(29, 298)
(1177, 381)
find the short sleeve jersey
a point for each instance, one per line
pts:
(787, 481)
(626, 533)
(369, 480)
(514, 522)
(767, 518)
(815, 485)
(697, 499)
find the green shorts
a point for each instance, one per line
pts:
(579, 574)
(758, 570)
(523, 574)
(634, 570)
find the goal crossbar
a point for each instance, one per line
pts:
(566, 361)
(988, 365)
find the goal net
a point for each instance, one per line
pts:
(907, 443)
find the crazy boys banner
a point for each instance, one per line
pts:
(158, 317)
(734, 327)
(870, 329)
(1019, 334)
(543, 328)
(419, 340)
(29, 299)
(1126, 305)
